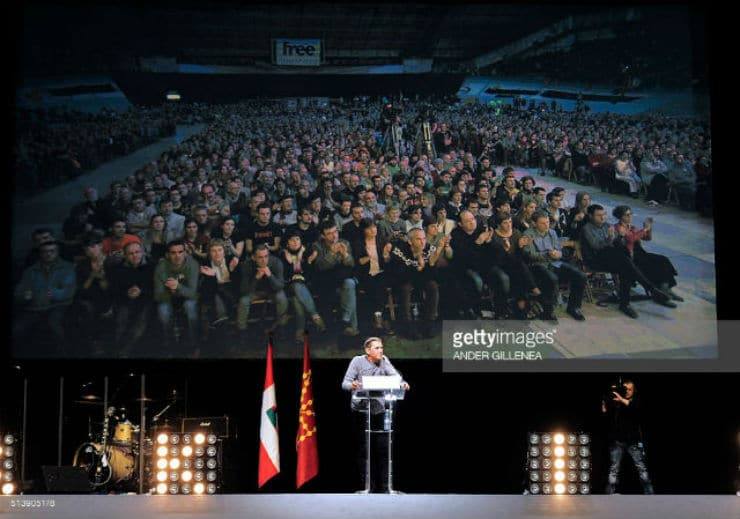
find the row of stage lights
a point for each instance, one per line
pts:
(559, 463)
(8, 464)
(186, 464)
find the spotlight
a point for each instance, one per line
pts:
(8, 463)
(559, 463)
(186, 463)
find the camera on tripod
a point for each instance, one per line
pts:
(615, 387)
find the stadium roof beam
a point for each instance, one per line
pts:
(558, 29)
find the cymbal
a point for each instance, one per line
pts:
(166, 399)
(87, 402)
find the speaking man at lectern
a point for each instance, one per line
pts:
(373, 429)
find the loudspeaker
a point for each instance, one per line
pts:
(66, 480)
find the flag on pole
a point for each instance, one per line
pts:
(269, 457)
(306, 443)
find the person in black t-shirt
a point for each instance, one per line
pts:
(623, 413)
(262, 230)
(305, 228)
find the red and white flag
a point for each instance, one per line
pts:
(269, 457)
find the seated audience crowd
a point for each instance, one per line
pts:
(315, 219)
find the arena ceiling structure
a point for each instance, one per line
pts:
(93, 39)
(212, 52)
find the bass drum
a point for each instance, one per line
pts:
(122, 462)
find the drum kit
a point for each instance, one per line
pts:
(110, 456)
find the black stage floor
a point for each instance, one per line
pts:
(343, 506)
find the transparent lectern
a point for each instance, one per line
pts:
(377, 398)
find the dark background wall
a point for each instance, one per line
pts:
(457, 433)
(150, 88)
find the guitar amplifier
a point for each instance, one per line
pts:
(218, 425)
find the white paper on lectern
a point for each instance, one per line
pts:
(379, 383)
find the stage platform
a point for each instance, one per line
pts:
(343, 506)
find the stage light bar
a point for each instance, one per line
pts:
(186, 464)
(558, 463)
(9, 484)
